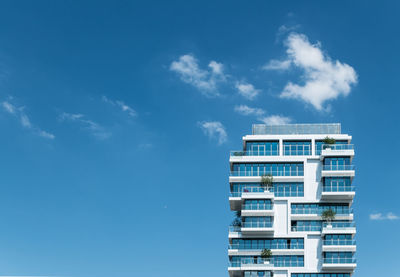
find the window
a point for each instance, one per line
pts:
(280, 189)
(265, 148)
(297, 148)
(275, 169)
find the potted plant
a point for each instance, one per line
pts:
(237, 222)
(266, 255)
(266, 181)
(328, 216)
(328, 142)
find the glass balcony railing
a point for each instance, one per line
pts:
(338, 167)
(319, 211)
(340, 260)
(234, 229)
(306, 228)
(272, 262)
(257, 224)
(271, 246)
(335, 188)
(338, 146)
(251, 190)
(257, 206)
(339, 225)
(340, 242)
(273, 173)
(239, 153)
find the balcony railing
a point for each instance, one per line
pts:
(256, 262)
(335, 188)
(306, 228)
(257, 206)
(257, 224)
(319, 211)
(234, 229)
(338, 146)
(261, 173)
(340, 260)
(271, 246)
(251, 190)
(339, 225)
(339, 242)
(239, 153)
(338, 167)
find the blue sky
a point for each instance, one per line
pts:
(117, 119)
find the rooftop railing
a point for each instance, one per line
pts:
(296, 129)
(338, 167)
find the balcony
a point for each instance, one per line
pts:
(240, 153)
(236, 198)
(338, 171)
(315, 213)
(235, 249)
(329, 150)
(257, 228)
(257, 210)
(259, 263)
(339, 228)
(338, 192)
(339, 245)
(254, 176)
(342, 264)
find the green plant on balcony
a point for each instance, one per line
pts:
(266, 181)
(328, 142)
(237, 222)
(239, 153)
(266, 254)
(328, 216)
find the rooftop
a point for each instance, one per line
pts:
(297, 129)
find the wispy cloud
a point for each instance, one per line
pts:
(247, 90)
(276, 120)
(380, 216)
(205, 80)
(324, 79)
(94, 128)
(260, 115)
(24, 120)
(246, 110)
(120, 104)
(214, 130)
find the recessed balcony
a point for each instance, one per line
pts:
(338, 171)
(240, 176)
(315, 214)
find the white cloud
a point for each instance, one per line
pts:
(205, 80)
(277, 65)
(94, 128)
(246, 110)
(259, 113)
(214, 130)
(324, 79)
(125, 108)
(23, 118)
(247, 90)
(380, 216)
(275, 120)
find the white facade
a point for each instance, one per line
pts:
(287, 217)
